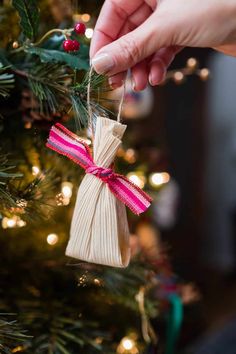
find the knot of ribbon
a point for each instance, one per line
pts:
(69, 144)
(105, 174)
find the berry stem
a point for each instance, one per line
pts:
(65, 32)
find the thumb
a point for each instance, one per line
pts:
(131, 48)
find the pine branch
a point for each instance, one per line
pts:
(47, 82)
(78, 96)
(35, 200)
(6, 174)
(60, 331)
(6, 81)
(11, 335)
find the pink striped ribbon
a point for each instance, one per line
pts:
(69, 144)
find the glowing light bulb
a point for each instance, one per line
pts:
(137, 178)
(97, 281)
(14, 221)
(130, 156)
(35, 170)
(178, 77)
(127, 346)
(157, 179)
(66, 189)
(52, 239)
(11, 223)
(192, 63)
(89, 33)
(204, 74)
(17, 349)
(21, 223)
(85, 17)
(127, 343)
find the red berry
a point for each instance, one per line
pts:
(76, 45)
(68, 45)
(80, 28)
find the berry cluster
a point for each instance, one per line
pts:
(70, 45)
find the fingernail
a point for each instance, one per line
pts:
(114, 84)
(150, 79)
(102, 63)
(133, 84)
(157, 77)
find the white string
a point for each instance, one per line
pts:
(121, 102)
(90, 113)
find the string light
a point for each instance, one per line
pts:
(192, 63)
(178, 77)
(191, 68)
(85, 17)
(21, 223)
(35, 170)
(66, 189)
(64, 197)
(127, 346)
(137, 178)
(97, 282)
(89, 33)
(83, 280)
(52, 239)
(204, 74)
(10, 222)
(28, 125)
(17, 349)
(15, 45)
(14, 221)
(157, 179)
(130, 156)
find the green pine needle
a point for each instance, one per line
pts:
(47, 82)
(6, 81)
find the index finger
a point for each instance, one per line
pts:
(110, 21)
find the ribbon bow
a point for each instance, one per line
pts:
(69, 144)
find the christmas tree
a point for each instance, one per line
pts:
(49, 303)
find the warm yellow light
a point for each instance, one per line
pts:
(127, 346)
(137, 178)
(192, 63)
(11, 223)
(14, 221)
(28, 125)
(157, 179)
(204, 74)
(97, 281)
(35, 170)
(52, 239)
(127, 343)
(18, 349)
(85, 17)
(89, 33)
(178, 77)
(66, 189)
(21, 223)
(130, 156)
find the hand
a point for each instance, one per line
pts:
(145, 35)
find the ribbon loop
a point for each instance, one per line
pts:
(68, 144)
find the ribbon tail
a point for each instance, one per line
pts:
(131, 195)
(69, 144)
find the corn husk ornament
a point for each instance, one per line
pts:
(99, 229)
